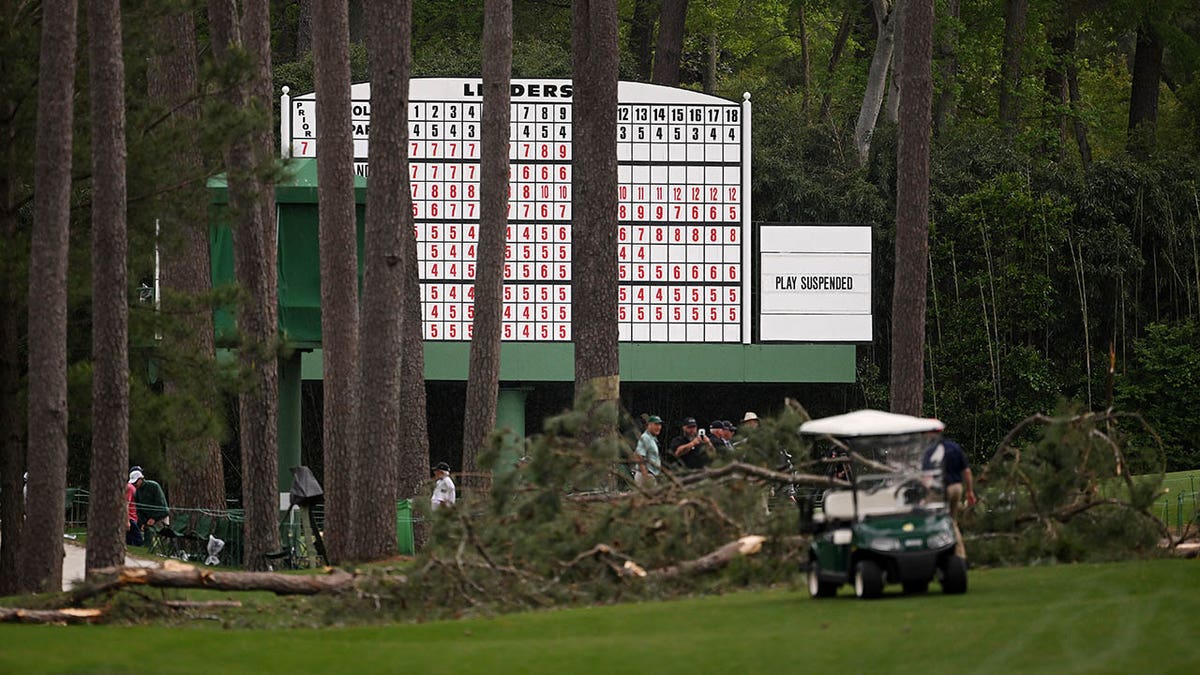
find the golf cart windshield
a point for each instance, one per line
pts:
(893, 461)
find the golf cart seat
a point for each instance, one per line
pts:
(839, 504)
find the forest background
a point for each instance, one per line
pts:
(1064, 206)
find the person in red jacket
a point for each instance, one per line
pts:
(133, 535)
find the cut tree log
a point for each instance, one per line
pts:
(178, 575)
(68, 615)
(746, 546)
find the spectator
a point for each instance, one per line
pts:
(691, 446)
(719, 433)
(444, 493)
(749, 422)
(151, 504)
(956, 476)
(133, 535)
(649, 463)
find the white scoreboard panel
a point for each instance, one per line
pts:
(682, 207)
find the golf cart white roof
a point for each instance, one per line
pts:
(870, 423)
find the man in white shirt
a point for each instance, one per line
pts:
(444, 493)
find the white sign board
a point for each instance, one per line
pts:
(815, 283)
(683, 207)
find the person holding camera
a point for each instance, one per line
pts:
(692, 446)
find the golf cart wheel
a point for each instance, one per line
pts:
(818, 588)
(916, 587)
(954, 576)
(868, 579)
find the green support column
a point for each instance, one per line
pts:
(510, 416)
(289, 419)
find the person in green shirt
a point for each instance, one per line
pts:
(649, 464)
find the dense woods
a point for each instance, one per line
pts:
(1063, 258)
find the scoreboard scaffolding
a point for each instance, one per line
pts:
(683, 212)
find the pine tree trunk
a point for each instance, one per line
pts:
(1055, 88)
(1143, 93)
(1015, 14)
(835, 55)
(868, 114)
(670, 42)
(389, 229)
(107, 508)
(412, 471)
(258, 321)
(1072, 72)
(196, 474)
(339, 276)
(12, 447)
(805, 61)
(641, 37)
(254, 268)
(483, 381)
(304, 30)
(42, 547)
(912, 211)
(947, 51)
(594, 227)
(891, 109)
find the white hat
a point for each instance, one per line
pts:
(135, 475)
(749, 416)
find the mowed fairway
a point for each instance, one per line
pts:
(1118, 618)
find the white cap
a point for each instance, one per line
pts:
(134, 476)
(749, 416)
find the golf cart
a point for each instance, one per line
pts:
(892, 523)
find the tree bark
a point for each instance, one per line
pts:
(42, 547)
(868, 114)
(304, 29)
(670, 43)
(594, 273)
(1015, 14)
(483, 381)
(912, 212)
(1072, 73)
(12, 447)
(55, 616)
(196, 475)
(710, 70)
(1061, 42)
(179, 575)
(389, 229)
(107, 507)
(947, 52)
(254, 267)
(412, 471)
(641, 37)
(258, 322)
(835, 55)
(805, 61)
(1143, 92)
(339, 277)
(891, 109)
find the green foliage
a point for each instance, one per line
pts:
(1062, 491)
(1163, 382)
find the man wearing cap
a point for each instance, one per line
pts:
(719, 432)
(649, 463)
(691, 447)
(444, 493)
(133, 535)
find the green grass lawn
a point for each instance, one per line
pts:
(1119, 618)
(1186, 483)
